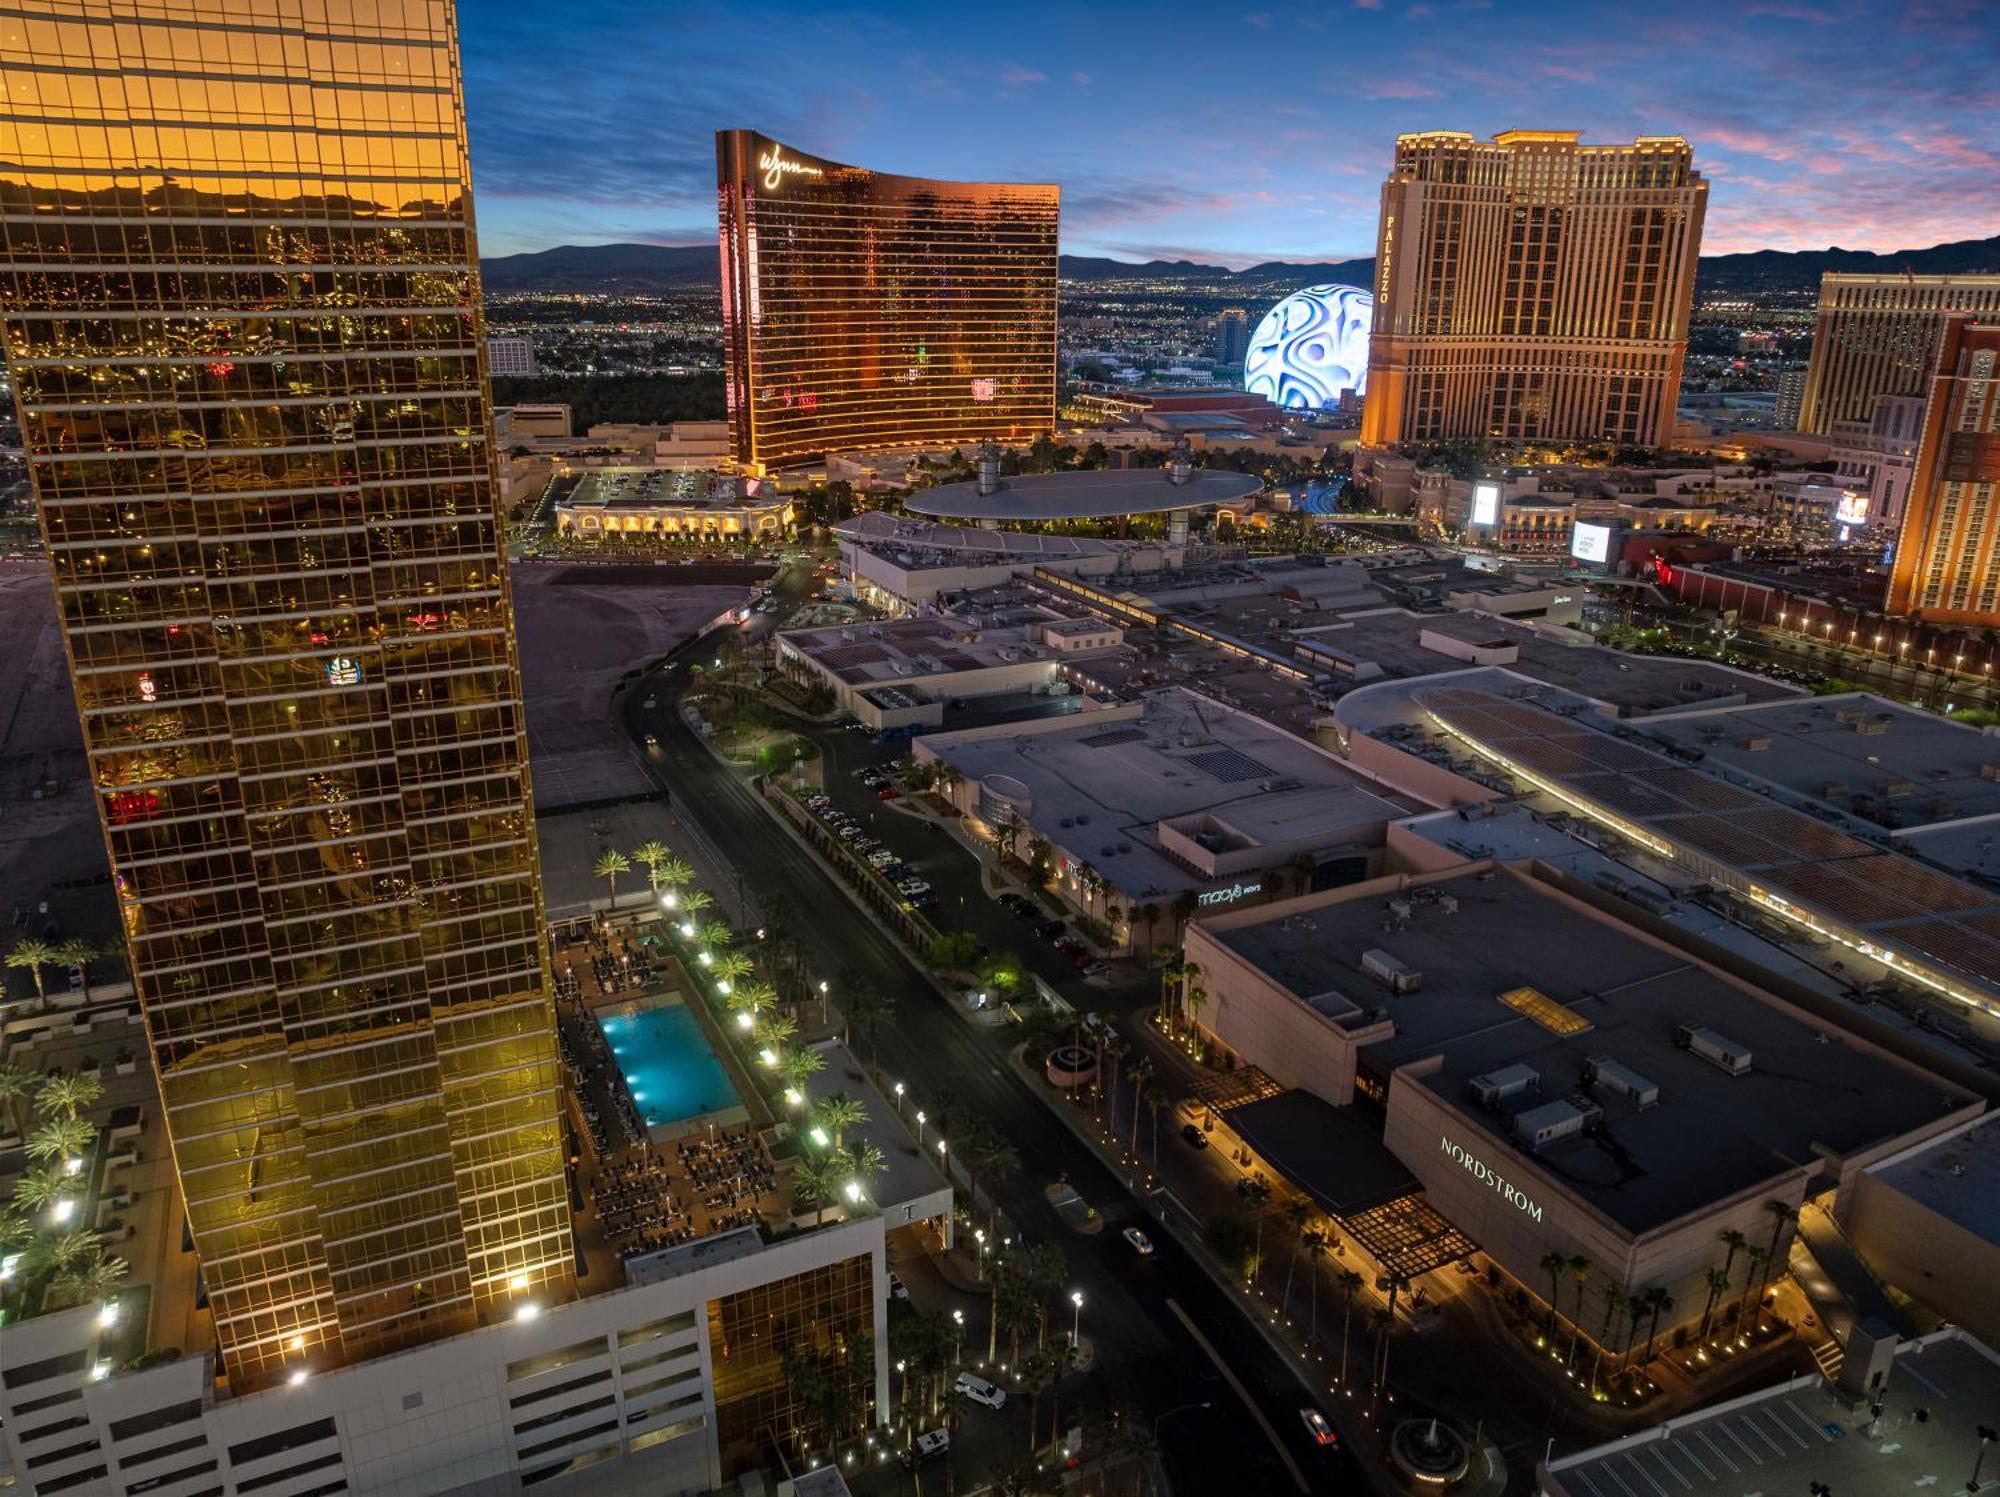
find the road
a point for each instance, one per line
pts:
(1146, 1357)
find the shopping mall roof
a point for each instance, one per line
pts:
(668, 488)
(1100, 784)
(1947, 929)
(1329, 1152)
(1095, 494)
(1889, 763)
(1957, 1176)
(1515, 974)
(1787, 1438)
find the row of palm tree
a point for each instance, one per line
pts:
(664, 873)
(52, 1261)
(32, 954)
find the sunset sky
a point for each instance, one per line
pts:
(1233, 133)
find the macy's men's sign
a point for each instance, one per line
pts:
(1485, 1174)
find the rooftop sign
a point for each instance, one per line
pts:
(1486, 1175)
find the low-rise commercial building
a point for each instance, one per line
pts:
(1560, 1082)
(1927, 1222)
(1144, 813)
(693, 504)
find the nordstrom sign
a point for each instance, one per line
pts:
(1484, 1173)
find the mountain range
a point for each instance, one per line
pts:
(611, 268)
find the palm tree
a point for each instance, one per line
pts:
(1315, 1246)
(1636, 1307)
(1156, 1104)
(72, 1249)
(800, 1066)
(1718, 1282)
(610, 863)
(695, 901)
(1735, 1241)
(61, 1139)
(1296, 1214)
(1555, 1265)
(1140, 1073)
(715, 935)
(818, 1177)
(772, 1030)
(17, 1084)
(1657, 1300)
(729, 967)
(1755, 1257)
(1397, 1283)
(79, 953)
(865, 1163)
(1579, 1269)
(1349, 1281)
(752, 998)
(1614, 1301)
(675, 873)
(43, 1187)
(33, 954)
(68, 1094)
(90, 1278)
(1783, 1214)
(651, 855)
(838, 1112)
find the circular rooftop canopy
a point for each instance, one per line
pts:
(1031, 498)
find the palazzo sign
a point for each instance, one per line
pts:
(1486, 1175)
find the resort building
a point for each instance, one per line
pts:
(867, 311)
(673, 504)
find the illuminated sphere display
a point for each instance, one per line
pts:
(1310, 347)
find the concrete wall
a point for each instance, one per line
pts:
(1927, 1255)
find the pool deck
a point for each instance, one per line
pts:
(678, 1128)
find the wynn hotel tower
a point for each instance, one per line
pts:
(1531, 287)
(867, 311)
(242, 320)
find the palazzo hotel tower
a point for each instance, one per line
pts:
(242, 318)
(1531, 287)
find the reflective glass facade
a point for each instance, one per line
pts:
(1947, 568)
(865, 311)
(1877, 335)
(1531, 287)
(242, 318)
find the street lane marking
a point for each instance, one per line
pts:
(1243, 1393)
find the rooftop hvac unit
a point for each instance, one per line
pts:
(1871, 727)
(1758, 743)
(1541, 1126)
(1850, 714)
(1395, 975)
(1990, 771)
(1723, 1054)
(1604, 1074)
(1400, 908)
(1508, 1081)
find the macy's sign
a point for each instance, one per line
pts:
(1485, 1175)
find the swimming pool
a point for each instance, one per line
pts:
(672, 1073)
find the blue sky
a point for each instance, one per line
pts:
(1234, 133)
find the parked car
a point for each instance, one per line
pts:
(1141, 1243)
(980, 1391)
(1050, 930)
(1093, 968)
(927, 1447)
(1193, 1134)
(897, 1288)
(888, 792)
(1024, 911)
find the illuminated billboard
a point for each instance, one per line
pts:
(1852, 509)
(1590, 542)
(1486, 504)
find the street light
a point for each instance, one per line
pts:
(920, 1127)
(899, 1099)
(1987, 1435)
(1177, 1409)
(1076, 1321)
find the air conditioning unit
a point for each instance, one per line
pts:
(1724, 1054)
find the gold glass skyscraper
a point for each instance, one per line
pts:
(1947, 567)
(1531, 287)
(242, 318)
(863, 310)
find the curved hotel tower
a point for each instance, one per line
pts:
(866, 311)
(243, 324)
(1531, 287)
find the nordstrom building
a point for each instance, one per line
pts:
(1558, 1082)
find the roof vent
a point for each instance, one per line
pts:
(1722, 1053)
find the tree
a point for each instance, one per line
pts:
(952, 950)
(818, 1178)
(752, 998)
(1155, 1105)
(695, 901)
(17, 1084)
(69, 1094)
(91, 1277)
(730, 968)
(1657, 1301)
(1233, 1236)
(1783, 1214)
(61, 1139)
(33, 955)
(1718, 1283)
(1138, 1075)
(609, 865)
(652, 856)
(715, 935)
(1296, 1213)
(1614, 1301)
(1753, 1281)
(1735, 1241)
(838, 1112)
(800, 1066)
(1315, 1246)
(43, 1187)
(1038, 1372)
(867, 1008)
(1555, 1265)
(79, 953)
(772, 1030)
(1047, 1271)
(1579, 1269)
(865, 1163)
(674, 873)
